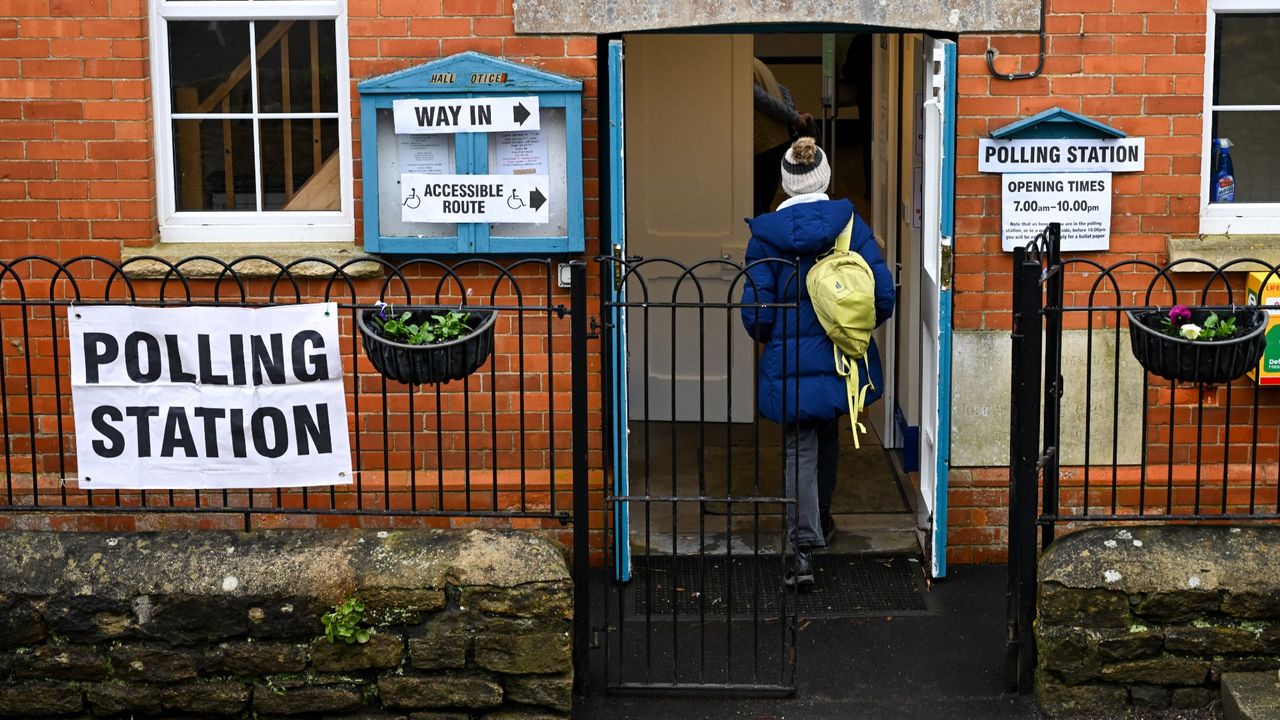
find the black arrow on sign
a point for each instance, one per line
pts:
(536, 199)
(520, 112)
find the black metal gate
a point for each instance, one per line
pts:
(697, 520)
(1132, 447)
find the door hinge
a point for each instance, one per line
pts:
(619, 260)
(946, 264)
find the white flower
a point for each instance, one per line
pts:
(1190, 331)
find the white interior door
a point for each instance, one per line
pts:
(935, 296)
(689, 186)
(884, 208)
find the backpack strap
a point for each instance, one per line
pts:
(855, 392)
(846, 236)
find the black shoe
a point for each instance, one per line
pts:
(828, 528)
(800, 574)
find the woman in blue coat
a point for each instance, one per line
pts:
(799, 387)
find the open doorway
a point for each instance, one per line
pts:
(690, 182)
(697, 510)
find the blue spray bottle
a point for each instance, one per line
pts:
(1224, 178)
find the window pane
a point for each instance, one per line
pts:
(298, 72)
(300, 167)
(1255, 153)
(1247, 58)
(209, 66)
(213, 164)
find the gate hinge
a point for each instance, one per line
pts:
(596, 327)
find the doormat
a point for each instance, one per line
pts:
(689, 586)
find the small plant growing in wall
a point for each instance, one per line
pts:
(343, 623)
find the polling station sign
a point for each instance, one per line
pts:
(1025, 155)
(208, 397)
(475, 198)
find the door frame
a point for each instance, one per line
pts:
(613, 227)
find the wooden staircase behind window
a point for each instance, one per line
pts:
(321, 190)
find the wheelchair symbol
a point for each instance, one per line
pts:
(413, 201)
(515, 202)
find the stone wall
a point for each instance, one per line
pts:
(466, 624)
(1148, 618)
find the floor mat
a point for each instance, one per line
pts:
(847, 585)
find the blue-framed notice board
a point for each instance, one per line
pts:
(472, 154)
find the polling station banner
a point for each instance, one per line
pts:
(208, 397)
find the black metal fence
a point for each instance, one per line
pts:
(1096, 438)
(507, 445)
(697, 516)
(494, 444)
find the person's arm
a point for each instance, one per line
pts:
(781, 111)
(758, 288)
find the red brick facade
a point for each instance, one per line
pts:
(78, 175)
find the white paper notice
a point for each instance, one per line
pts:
(208, 397)
(522, 153)
(1080, 201)
(475, 198)
(455, 115)
(427, 154)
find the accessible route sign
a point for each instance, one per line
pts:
(475, 198)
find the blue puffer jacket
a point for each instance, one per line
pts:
(799, 346)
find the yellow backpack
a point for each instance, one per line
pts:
(842, 290)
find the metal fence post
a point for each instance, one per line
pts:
(1052, 314)
(581, 495)
(1024, 451)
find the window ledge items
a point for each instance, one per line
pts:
(431, 363)
(1201, 361)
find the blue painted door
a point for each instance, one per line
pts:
(935, 290)
(618, 315)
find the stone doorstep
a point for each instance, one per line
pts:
(1251, 696)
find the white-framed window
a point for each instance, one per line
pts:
(253, 120)
(1242, 106)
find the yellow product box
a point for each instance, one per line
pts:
(1268, 370)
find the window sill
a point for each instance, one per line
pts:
(336, 253)
(1222, 249)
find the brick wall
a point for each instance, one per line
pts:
(1134, 64)
(76, 141)
(77, 168)
(77, 176)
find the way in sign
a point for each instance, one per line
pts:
(494, 114)
(445, 115)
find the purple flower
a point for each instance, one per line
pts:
(1178, 315)
(382, 309)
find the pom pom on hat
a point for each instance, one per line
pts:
(805, 169)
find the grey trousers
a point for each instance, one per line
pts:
(810, 463)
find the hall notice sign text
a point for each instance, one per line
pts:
(208, 397)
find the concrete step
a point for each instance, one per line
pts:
(1251, 696)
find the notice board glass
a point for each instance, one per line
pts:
(452, 164)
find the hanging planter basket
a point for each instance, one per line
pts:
(436, 363)
(1200, 361)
